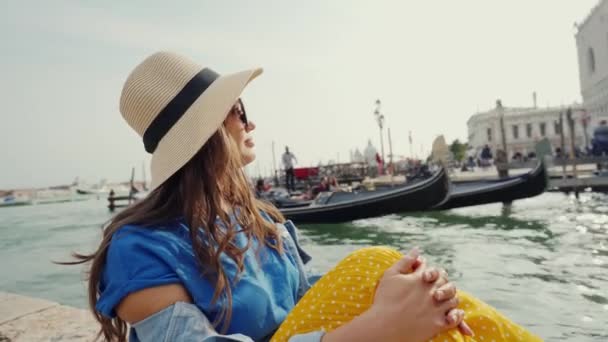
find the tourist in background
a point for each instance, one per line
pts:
(288, 160)
(380, 164)
(486, 156)
(333, 184)
(470, 157)
(260, 188)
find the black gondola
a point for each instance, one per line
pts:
(348, 206)
(466, 194)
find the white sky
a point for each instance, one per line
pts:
(432, 63)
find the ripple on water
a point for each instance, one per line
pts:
(595, 298)
(542, 261)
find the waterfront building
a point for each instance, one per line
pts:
(592, 48)
(524, 127)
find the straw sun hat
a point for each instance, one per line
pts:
(176, 105)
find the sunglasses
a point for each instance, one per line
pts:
(239, 109)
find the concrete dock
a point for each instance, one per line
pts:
(554, 172)
(30, 319)
(596, 184)
(585, 177)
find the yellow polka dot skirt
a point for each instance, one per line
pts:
(348, 290)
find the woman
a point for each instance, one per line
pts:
(200, 256)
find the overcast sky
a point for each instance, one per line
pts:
(432, 63)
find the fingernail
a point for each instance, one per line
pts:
(453, 317)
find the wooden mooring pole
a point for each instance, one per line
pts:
(501, 160)
(572, 149)
(562, 140)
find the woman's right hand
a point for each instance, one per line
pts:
(405, 307)
(405, 304)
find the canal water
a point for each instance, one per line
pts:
(542, 261)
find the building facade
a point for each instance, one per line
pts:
(524, 127)
(592, 47)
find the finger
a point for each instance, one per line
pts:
(430, 275)
(417, 264)
(454, 318)
(449, 304)
(465, 329)
(440, 282)
(421, 267)
(445, 292)
(405, 264)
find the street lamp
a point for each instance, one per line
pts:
(380, 120)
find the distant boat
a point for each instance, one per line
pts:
(58, 195)
(464, 194)
(338, 207)
(13, 201)
(120, 189)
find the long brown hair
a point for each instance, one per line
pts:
(199, 191)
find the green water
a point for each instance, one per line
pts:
(543, 262)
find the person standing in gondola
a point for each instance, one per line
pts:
(288, 163)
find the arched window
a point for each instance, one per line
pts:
(591, 60)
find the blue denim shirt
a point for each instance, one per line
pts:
(186, 322)
(183, 322)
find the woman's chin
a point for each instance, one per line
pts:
(248, 157)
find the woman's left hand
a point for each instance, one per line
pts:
(442, 290)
